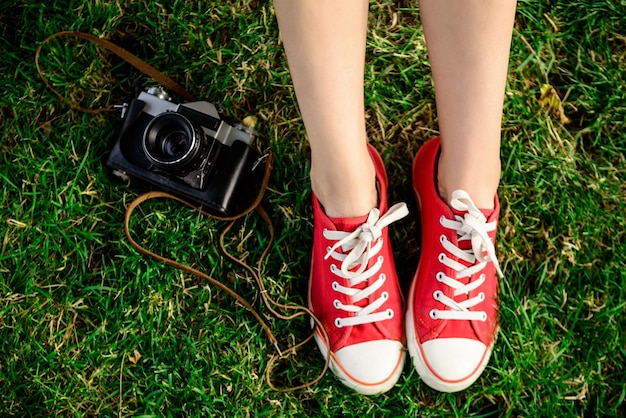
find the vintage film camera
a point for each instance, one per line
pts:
(188, 150)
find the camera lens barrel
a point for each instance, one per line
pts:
(172, 143)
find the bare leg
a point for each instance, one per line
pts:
(325, 45)
(353, 286)
(468, 46)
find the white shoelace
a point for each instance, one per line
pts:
(473, 226)
(359, 247)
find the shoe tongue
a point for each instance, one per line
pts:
(348, 224)
(486, 212)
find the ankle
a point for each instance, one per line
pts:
(483, 197)
(346, 192)
(479, 178)
(339, 201)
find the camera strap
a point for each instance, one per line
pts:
(133, 60)
(271, 304)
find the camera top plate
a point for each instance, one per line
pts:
(203, 113)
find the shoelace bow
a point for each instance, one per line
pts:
(357, 250)
(473, 227)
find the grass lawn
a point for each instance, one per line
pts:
(88, 326)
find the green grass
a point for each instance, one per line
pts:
(77, 302)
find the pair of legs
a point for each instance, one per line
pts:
(451, 314)
(468, 46)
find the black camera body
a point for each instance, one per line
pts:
(188, 150)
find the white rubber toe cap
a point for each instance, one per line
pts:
(370, 367)
(454, 363)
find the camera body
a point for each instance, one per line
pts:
(187, 149)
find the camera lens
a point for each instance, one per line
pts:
(172, 143)
(176, 144)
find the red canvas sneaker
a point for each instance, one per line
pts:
(354, 291)
(451, 318)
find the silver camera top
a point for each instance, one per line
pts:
(157, 101)
(159, 92)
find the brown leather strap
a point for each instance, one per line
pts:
(133, 60)
(269, 303)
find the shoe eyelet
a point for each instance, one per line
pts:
(333, 268)
(440, 276)
(442, 238)
(441, 257)
(390, 313)
(484, 317)
(381, 259)
(336, 303)
(385, 295)
(338, 323)
(382, 276)
(441, 219)
(335, 286)
(437, 294)
(481, 296)
(433, 314)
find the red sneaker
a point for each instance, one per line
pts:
(354, 291)
(451, 320)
